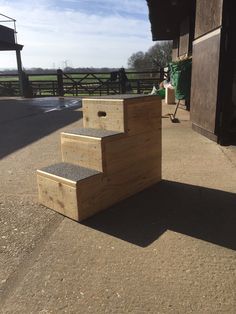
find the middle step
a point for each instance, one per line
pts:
(85, 147)
(108, 151)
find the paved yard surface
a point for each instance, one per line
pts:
(169, 249)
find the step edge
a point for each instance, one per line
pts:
(67, 134)
(53, 176)
(63, 179)
(100, 138)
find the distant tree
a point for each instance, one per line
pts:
(138, 61)
(157, 56)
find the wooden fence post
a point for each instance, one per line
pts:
(26, 87)
(162, 74)
(138, 87)
(60, 82)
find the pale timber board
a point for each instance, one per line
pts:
(114, 155)
(98, 192)
(142, 117)
(132, 115)
(119, 155)
(109, 190)
(142, 99)
(83, 151)
(114, 119)
(58, 196)
(104, 135)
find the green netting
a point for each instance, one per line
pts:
(180, 73)
(161, 92)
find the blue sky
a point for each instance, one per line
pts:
(98, 33)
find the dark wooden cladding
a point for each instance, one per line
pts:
(166, 15)
(204, 90)
(208, 16)
(7, 34)
(175, 49)
(204, 132)
(184, 37)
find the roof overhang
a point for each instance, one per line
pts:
(166, 15)
(5, 46)
(8, 40)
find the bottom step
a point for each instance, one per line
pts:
(79, 193)
(59, 184)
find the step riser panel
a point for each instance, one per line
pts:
(83, 151)
(111, 154)
(101, 114)
(110, 190)
(58, 196)
(142, 117)
(120, 155)
(95, 193)
(129, 116)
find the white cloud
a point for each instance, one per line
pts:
(51, 35)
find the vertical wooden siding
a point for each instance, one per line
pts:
(184, 37)
(208, 16)
(204, 90)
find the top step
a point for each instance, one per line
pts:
(131, 114)
(95, 133)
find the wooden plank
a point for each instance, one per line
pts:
(97, 193)
(58, 196)
(204, 89)
(184, 37)
(110, 154)
(208, 16)
(109, 190)
(143, 116)
(120, 155)
(132, 115)
(175, 49)
(103, 114)
(81, 150)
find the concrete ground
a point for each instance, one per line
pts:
(168, 249)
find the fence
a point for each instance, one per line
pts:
(81, 84)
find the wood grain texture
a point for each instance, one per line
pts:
(111, 189)
(175, 49)
(204, 89)
(142, 116)
(131, 115)
(208, 16)
(122, 154)
(114, 119)
(58, 196)
(81, 150)
(184, 37)
(130, 161)
(98, 192)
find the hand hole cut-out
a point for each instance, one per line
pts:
(102, 114)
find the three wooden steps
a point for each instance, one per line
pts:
(115, 155)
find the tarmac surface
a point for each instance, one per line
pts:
(168, 249)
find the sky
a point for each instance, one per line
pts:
(77, 33)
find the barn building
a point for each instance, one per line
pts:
(205, 31)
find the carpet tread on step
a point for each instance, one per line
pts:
(69, 171)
